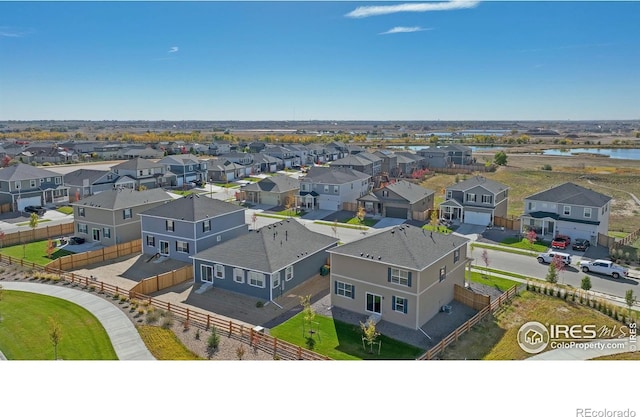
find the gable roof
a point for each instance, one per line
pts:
(136, 164)
(78, 176)
(490, 185)
(124, 198)
(336, 175)
(404, 246)
(272, 247)
(353, 160)
(408, 191)
(280, 183)
(24, 172)
(183, 159)
(570, 193)
(192, 208)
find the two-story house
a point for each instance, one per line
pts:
(143, 173)
(241, 158)
(85, 182)
(436, 157)
(360, 162)
(459, 154)
(23, 185)
(327, 188)
(181, 228)
(401, 199)
(476, 200)
(403, 276)
(264, 263)
(219, 148)
(187, 168)
(278, 190)
(389, 161)
(111, 217)
(567, 209)
(286, 155)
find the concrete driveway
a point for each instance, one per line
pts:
(470, 229)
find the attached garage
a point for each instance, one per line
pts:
(28, 201)
(397, 212)
(476, 217)
(269, 199)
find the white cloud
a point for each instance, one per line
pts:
(367, 11)
(7, 32)
(404, 29)
(173, 49)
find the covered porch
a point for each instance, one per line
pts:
(543, 223)
(451, 210)
(308, 200)
(56, 195)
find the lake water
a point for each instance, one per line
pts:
(611, 153)
(473, 148)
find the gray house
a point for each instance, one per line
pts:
(327, 188)
(111, 217)
(567, 209)
(360, 163)
(264, 263)
(186, 168)
(401, 199)
(436, 157)
(24, 185)
(278, 190)
(145, 173)
(182, 227)
(389, 161)
(403, 276)
(85, 182)
(476, 200)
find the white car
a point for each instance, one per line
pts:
(546, 258)
(601, 266)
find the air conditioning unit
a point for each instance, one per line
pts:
(446, 309)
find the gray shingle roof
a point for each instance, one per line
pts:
(410, 192)
(276, 184)
(269, 249)
(124, 198)
(183, 159)
(136, 164)
(337, 175)
(192, 208)
(25, 172)
(405, 246)
(570, 193)
(76, 177)
(353, 160)
(493, 186)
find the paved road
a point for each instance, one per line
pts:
(125, 339)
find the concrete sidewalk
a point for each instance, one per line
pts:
(124, 337)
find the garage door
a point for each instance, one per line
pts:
(29, 201)
(269, 199)
(397, 212)
(474, 217)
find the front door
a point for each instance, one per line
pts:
(374, 303)
(164, 247)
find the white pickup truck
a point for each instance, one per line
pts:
(601, 266)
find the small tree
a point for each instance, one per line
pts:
(33, 224)
(254, 219)
(369, 334)
(434, 220)
(485, 260)
(559, 266)
(213, 341)
(2, 236)
(585, 284)
(361, 214)
(50, 248)
(308, 315)
(334, 228)
(500, 158)
(629, 299)
(552, 275)
(55, 335)
(531, 236)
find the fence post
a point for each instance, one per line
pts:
(299, 353)
(230, 328)
(208, 321)
(169, 307)
(187, 314)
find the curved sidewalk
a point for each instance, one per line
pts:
(125, 339)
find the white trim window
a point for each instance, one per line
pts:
(344, 290)
(443, 273)
(566, 210)
(83, 228)
(106, 232)
(399, 304)
(587, 212)
(456, 255)
(58, 180)
(275, 280)
(219, 271)
(182, 246)
(449, 195)
(471, 197)
(127, 213)
(206, 226)
(288, 273)
(169, 225)
(487, 198)
(255, 279)
(399, 276)
(238, 275)
(151, 240)
(81, 211)
(206, 273)
(32, 183)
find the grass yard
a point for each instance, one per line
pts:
(164, 345)
(366, 222)
(496, 338)
(476, 245)
(36, 252)
(523, 243)
(511, 274)
(339, 224)
(339, 340)
(65, 209)
(39, 221)
(503, 284)
(24, 329)
(438, 228)
(290, 213)
(617, 234)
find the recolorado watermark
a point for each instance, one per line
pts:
(534, 337)
(590, 412)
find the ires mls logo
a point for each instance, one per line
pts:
(533, 337)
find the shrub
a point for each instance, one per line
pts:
(547, 167)
(259, 304)
(197, 336)
(167, 321)
(240, 351)
(152, 316)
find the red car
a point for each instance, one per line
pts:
(561, 242)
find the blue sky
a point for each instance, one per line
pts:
(341, 60)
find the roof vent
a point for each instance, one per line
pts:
(379, 257)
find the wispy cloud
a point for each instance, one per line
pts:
(7, 32)
(368, 11)
(173, 49)
(404, 29)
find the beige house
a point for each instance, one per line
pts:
(403, 276)
(112, 217)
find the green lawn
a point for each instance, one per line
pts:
(506, 249)
(65, 209)
(502, 284)
(367, 221)
(36, 252)
(338, 224)
(24, 329)
(290, 213)
(39, 221)
(339, 340)
(438, 228)
(523, 243)
(617, 234)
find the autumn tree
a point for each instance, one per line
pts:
(369, 334)
(630, 300)
(559, 265)
(33, 224)
(531, 237)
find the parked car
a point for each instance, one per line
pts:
(546, 258)
(561, 242)
(601, 266)
(39, 210)
(581, 245)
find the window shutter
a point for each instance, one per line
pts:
(388, 274)
(406, 301)
(409, 279)
(353, 292)
(187, 247)
(393, 302)
(335, 287)
(176, 245)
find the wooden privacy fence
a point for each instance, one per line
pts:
(511, 224)
(469, 298)
(162, 281)
(251, 335)
(79, 260)
(41, 233)
(455, 335)
(615, 243)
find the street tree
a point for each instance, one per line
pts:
(55, 334)
(630, 299)
(585, 284)
(531, 236)
(552, 274)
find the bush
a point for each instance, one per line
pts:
(547, 167)
(167, 322)
(214, 340)
(259, 304)
(152, 317)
